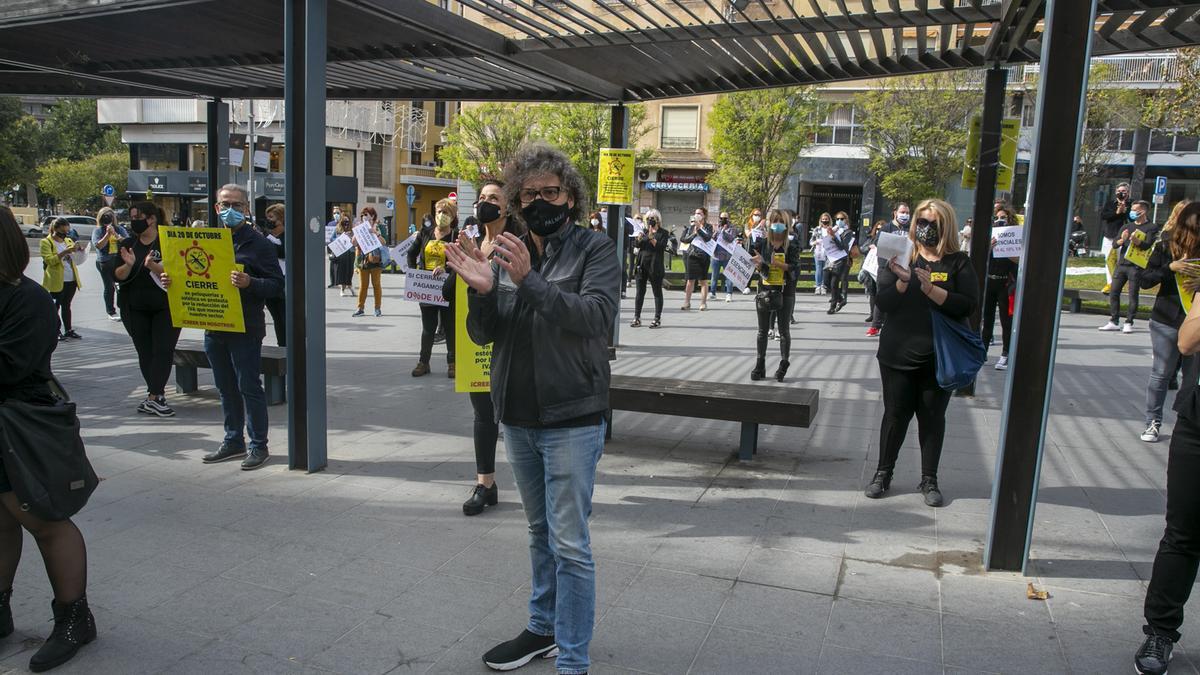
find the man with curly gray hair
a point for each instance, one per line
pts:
(547, 302)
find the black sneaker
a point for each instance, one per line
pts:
(225, 453)
(1153, 656)
(73, 335)
(158, 406)
(439, 336)
(878, 485)
(481, 497)
(144, 407)
(929, 488)
(255, 460)
(520, 650)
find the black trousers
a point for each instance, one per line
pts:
(1124, 274)
(995, 295)
(486, 432)
(1179, 551)
(779, 319)
(154, 339)
(430, 314)
(905, 393)
(277, 308)
(110, 286)
(655, 282)
(837, 278)
(871, 286)
(62, 300)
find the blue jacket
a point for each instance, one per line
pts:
(260, 259)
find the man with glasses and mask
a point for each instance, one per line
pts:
(1113, 218)
(236, 358)
(547, 301)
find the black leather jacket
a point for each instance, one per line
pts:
(572, 301)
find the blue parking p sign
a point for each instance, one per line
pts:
(1160, 185)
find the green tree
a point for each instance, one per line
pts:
(581, 129)
(481, 139)
(72, 132)
(756, 137)
(77, 183)
(915, 130)
(1175, 107)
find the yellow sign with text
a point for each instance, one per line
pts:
(614, 182)
(472, 363)
(1135, 255)
(1010, 132)
(199, 261)
(1186, 298)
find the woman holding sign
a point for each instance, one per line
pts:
(1167, 269)
(1133, 251)
(777, 261)
(428, 252)
(343, 264)
(370, 264)
(1001, 284)
(697, 260)
(652, 244)
(937, 277)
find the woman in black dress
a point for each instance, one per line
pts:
(343, 265)
(937, 278)
(696, 261)
(777, 261)
(652, 244)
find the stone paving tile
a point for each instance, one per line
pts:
(794, 615)
(788, 569)
(649, 642)
(889, 583)
(676, 594)
(382, 645)
(727, 650)
(1008, 647)
(894, 630)
(844, 660)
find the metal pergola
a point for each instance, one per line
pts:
(606, 51)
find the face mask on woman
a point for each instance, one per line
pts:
(443, 220)
(778, 228)
(927, 233)
(594, 222)
(487, 212)
(755, 218)
(841, 222)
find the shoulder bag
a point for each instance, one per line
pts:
(958, 351)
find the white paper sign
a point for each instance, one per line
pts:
(341, 244)
(367, 241)
(757, 233)
(727, 245)
(79, 257)
(892, 245)
(330, 232)
(637, 226)
(400, 253)
(832, 252)
(871, 263)
(472, 231)
(421, 286)
(1010, 241)
(740, 267)
(709, 247)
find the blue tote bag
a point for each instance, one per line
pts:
(959, 352)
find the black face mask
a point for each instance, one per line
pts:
(544, 218)
(487, 212)
(106, 220)
(139, 226)
(927, 233)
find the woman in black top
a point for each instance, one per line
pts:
(777, 261)
(28, 336)
(1001, 283)
(939, 278)
(696, 261)
(652, 244)
(343, 265)
(428, 253)
(144, 307)
(868, 280)
(1179, 241)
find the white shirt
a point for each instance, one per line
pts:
(68, 268)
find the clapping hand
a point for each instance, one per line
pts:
(127, 256)
(239, 279)
(471, 265)
(512, 255)
(901, 273)
(923, 277)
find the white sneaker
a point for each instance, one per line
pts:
(729, 297)
(746, 291)
(1150, 435)
(1127, 328)
(1002, 364)
(1110, 326)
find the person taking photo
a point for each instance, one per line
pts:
(778, 262)
(652, 243)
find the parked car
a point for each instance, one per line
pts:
(80, 225)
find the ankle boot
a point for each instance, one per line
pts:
(929, 488)
(760, 369)
(782, 370)
(74, 627)
(879, 484)
(481, 497)
(6, 620)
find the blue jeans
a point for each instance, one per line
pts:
(236, 361)
(820, 273)
(555, 470)
(1164, 346)
(718, 278)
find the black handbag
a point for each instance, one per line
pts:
(44, 458)
(770, 300)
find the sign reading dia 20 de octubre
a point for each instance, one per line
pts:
(199, 261)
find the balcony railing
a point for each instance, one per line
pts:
(1132, 69)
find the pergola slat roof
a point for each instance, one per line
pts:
(553, 50)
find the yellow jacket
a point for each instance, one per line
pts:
(52, 278)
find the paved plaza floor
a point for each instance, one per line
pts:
(705, 564)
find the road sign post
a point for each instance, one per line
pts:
(1160, 193)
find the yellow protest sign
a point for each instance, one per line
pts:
(1010, 131)
(775, 275)
(1135, 255)
(472, 363)
(199, 261)
(1185, 298)
(614, 182)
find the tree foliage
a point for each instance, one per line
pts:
(581, 129)
(1175, 107)
(756, 137)
(916, 131)
(76, 183)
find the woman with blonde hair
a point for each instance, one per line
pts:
(777, 261)
(343, 265)
(106, 239)
(428, 253)
(937, 278)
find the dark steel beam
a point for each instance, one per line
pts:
(986, 168)
(217, 127)
(618, 137)
(1060, 114)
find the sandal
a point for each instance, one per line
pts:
(637, 323)
(685, 308)
(703, 307)
(655, 324)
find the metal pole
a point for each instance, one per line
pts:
(1066, 51)
(304, 98)
(218, 150)
(250, 176)
(618, 137)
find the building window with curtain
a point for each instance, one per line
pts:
(439, 114)
(373, 167)
(680, 127)
(840, 127)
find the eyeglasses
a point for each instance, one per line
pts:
(548, 193)
(924, 222)
(231, 205)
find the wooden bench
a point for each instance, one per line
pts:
(750, 404)
(190, 356)
(1077, 296)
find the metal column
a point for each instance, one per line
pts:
(304, 138)
(618, 137)
(985, 188)
(1066, 51)
(218, 151)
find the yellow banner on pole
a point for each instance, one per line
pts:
(199, 261)
(614, 182)
(1010, 132)
(472, 363)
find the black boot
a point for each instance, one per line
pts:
(782, 370)
(481, 497)
(74, 627)
(6, 622)
(879, 484)
(929, 488)
(760, 369)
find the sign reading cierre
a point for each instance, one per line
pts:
(614, 182)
